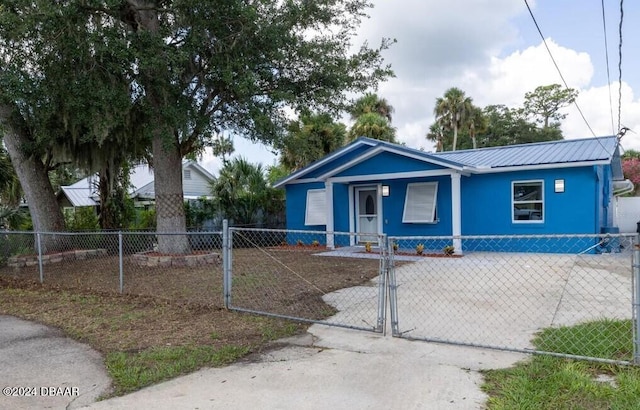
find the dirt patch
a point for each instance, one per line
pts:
(178, 304)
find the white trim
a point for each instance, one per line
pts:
(303, 181)
(328, 187)
(380, 211)
(378, 196)
(456, 212)
(488, 170)
(352, 217)
(371, 153)
(406, 218)
(323, 161)
(310, 220)
(541, 201)
(392, 175)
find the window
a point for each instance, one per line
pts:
(316, 207)
(187, 174)
(528, 201)
(420, 203)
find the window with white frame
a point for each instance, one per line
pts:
(528, 201)
(420, 202)
(315, 212)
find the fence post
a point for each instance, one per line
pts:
(382, 284)
(226, 274)
(391, 285)
(40, 267)
(120, 262)
(636, 301)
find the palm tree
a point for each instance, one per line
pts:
(452, 110)
(241, 191)
(372, 116)
(477, 123)
(372, 125)
(371, 103)
(309, 138)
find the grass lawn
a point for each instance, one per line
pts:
(171, 321)
(545, 382)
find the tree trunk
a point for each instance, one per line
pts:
(170, 217)
(33, 176)
(455, 136)
(167, 159)
(105, 188)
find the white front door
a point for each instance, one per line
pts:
(367, 214)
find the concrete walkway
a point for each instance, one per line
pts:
(42, 369)
(332, 368)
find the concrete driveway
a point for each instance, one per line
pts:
(333, 368)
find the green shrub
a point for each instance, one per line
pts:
(82, 219)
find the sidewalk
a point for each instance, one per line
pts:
(332, 368)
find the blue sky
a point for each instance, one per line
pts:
(492, 50)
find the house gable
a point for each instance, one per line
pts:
(337, 162)
(386, 162)
(355, 158)
(196, 181)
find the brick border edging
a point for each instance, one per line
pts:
(144, 259)
(32, 260)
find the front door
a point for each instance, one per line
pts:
(367, 214)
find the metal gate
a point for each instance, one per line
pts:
(504, 292)
(501, 292)
(293, 275)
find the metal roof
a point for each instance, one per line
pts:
(79, 196)
(553, 152)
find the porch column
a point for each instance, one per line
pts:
(328, 190)
(456, 212)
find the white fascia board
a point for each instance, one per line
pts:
(301, 181)
(321, 162)
(208, 175)
(394, 175)
(481, 170)
(369, 154)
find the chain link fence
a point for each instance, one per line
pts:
(125, 262)
(503, 291)
(292, 274)
(498, 292)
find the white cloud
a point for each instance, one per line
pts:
(462, 43)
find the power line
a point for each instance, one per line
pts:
(556, 65)
(606, 53)
(620, 63)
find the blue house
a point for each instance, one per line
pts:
(375, 187)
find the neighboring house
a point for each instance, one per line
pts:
(375, 187)
(195, 182)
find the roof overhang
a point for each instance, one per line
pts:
(492, 170)
(317, 164)
(382, 148)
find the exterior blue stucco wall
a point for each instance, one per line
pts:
(487, 202)
(583, 208)
(393, 208)
(337, 162)
(388, 162)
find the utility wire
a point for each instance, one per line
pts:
(556, 65)
(606, 54)
(620, 63)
